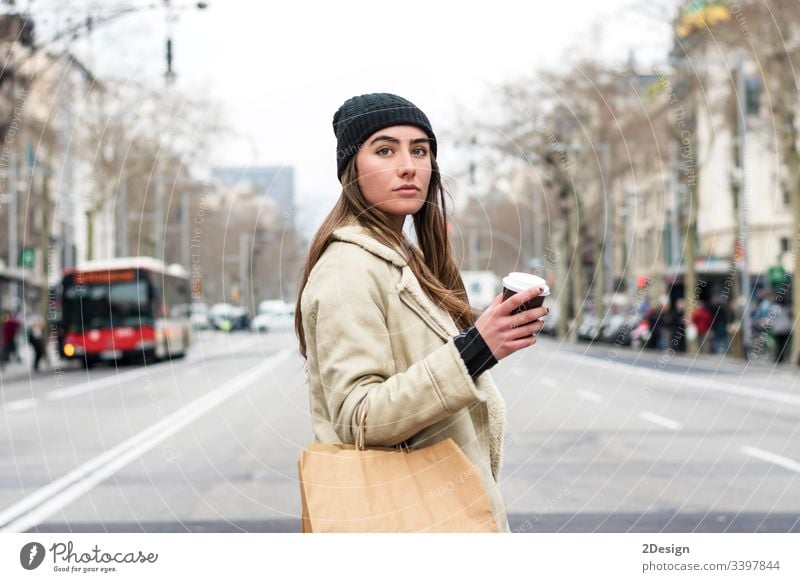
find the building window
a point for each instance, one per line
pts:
(784, 245)
(752, 91)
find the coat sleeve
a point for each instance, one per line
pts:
(347, 317)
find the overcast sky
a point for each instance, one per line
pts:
(279, 70)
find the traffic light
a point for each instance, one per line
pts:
(169, 73)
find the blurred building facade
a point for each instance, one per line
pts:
(275, 183)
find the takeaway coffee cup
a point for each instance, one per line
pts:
(517, 282)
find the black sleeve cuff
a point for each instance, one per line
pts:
(473, 349)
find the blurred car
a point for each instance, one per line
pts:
(551, 320)
(482, 287)
(272, 316)
(590, 327)
(616, 328)
(227, 317)
(269, 305)
(640, 335)
(199, 316)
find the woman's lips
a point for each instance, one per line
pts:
(407, 191)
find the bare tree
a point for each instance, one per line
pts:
(581, 130)
(143, 146)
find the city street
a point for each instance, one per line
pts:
(597, 440)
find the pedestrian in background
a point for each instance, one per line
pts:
(679, 327)
(669, 324)
(385, 324)
(701, 318)
(722, 318)
(2, 341)
(11, 325)
(656, 323)
(781, 328)
(36, 339)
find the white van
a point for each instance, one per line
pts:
(482, 287)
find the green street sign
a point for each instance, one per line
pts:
(27, 258)
(776, 275)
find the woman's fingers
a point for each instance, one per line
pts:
(526, 330)
(527, 317)
(521, 343)
(505, 333)
(518, 299)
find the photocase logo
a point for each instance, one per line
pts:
(31, 555)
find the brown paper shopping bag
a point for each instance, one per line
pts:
(347, 488)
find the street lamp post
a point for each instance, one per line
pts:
(743, 214)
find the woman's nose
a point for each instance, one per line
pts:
(406, 164)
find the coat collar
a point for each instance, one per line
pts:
(357, 234)
(408, 288)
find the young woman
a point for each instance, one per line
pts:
(385, 324)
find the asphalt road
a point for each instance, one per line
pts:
(598, 440)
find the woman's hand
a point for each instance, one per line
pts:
(504, 333)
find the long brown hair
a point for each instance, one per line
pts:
(434, 266)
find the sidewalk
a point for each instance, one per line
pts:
(718, 364)
(12, 372)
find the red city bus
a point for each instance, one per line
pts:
(124, 309)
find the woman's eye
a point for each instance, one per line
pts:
(384, 151)
(420, 152)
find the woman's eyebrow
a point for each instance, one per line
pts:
(385, 138)
(391, 139)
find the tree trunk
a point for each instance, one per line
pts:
(576, 246)
(793, 159)
(690, 278)
(90, 234)
(47, 227)
(737, 347)
(795, 199)
(786, 121)
(562, 282)
(600, 276)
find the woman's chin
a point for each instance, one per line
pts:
(403, 207)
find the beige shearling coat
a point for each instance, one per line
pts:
(372, 333)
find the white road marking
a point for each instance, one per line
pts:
(63, 393)
(26, 404)
(784, 462)
(661, 420)
(588, 395)
(51, 498)
(108, 381)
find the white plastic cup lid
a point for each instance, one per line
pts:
(523, 281)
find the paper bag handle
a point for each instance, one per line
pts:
(361, 433)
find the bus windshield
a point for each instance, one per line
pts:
(97, 306)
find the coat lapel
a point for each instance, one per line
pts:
(408, 288)
(414, 297)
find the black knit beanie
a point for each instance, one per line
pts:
(359, 117)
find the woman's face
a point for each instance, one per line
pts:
(394, 170)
